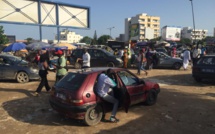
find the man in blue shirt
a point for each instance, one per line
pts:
(103, 87)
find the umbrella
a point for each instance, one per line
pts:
(69, 46)
(141, 43)
(38, 46)
(15, 47)
(162, 42)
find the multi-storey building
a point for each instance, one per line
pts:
(69, 36)
(142, 27)
(197, 34)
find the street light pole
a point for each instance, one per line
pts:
(110, 28)
(193, 21)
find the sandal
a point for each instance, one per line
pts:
(114, 119)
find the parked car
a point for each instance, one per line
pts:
(204, 68)
(12, 67)
(99, 58)
(166, 61)
(74, 95)
(161, 50)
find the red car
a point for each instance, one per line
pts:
(74, 96)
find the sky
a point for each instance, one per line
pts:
(112, 13)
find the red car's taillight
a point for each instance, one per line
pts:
(77, 102)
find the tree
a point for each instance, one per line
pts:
(3, 37)
(185, 41)
(94, 41)
(86, 40)
(29, 40)
(102, 40)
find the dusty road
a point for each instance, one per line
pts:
(183, 107)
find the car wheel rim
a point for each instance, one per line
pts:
(177, 66)
(93, 114)
(22, 77)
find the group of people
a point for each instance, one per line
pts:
(43, 62)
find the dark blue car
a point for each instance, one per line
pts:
(204, 68)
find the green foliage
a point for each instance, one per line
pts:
(86, 40)
(185, 41)
(102, 40)
(3, 37)
(94, 41)
(29, 40)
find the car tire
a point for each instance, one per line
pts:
(77, 65)
(177, 66)
(93, 115)
(22, 77)
(110, 64)
(197, 79)
(151, 97)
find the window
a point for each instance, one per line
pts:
(127, 78)
(207, 61)
(72, 81)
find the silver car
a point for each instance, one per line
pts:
(166, 61)
(14, 68)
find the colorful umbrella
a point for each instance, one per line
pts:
(38, 46)
(69, 46)
(14, 47)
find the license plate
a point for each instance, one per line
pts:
(208, 70)
(61, 96)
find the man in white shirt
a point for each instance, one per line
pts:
(86, 59)
(196, 55)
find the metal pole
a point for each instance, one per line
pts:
(193, 21)
(39, 19)
(110, 28)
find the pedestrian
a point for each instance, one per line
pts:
(149, 59)
(186, 59)
(104, 90)
(61, 66)
(86, 59)
(125, 59)
(43, 71)
(141, 59)
(196, 55)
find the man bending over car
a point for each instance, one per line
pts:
(103, 87)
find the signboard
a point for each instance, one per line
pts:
(171, 33)
(134, 30)
(43, 13)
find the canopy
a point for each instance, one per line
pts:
(14, 47)
(38, 46)
(141, 43)
(69, 46)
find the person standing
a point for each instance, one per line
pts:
(140, 62)
(43, 71)
(103, 87)
(125, 59)
(186, 59)
(61, 66)
(196, 55)
(86, 59)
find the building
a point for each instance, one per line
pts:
(142, 27)
(69, 37)
(171, 33)
(189, 33)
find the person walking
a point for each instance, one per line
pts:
(186, 59)
(196, 55)
(43, 71)
(140, 62)
(103, 88)
(61, 66)
(86, 59)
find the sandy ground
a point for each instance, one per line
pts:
(183, 106)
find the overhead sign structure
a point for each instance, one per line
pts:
(44, 13)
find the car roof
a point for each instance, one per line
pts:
(209, 55)
(97, 70)
(7, 55)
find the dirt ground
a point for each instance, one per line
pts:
(183, 107)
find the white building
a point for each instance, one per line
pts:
(171, 33)
(142, 27)
(189, 33)
(69, 37)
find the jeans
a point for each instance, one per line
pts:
(113, 100)
(140, 66)
(44, 81)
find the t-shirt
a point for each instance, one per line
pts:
(196, 53)
(86, 60)
(61, 62)
(103, 84)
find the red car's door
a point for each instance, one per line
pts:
(132, 87)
